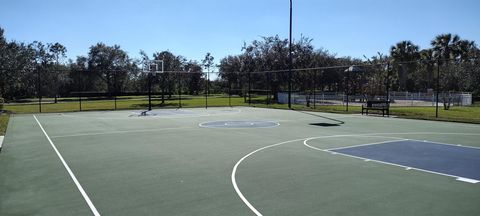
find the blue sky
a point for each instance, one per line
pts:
(194, 27)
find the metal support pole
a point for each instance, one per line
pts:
(229, 93)
(314, 89)
(269, 88)
(207, 88)
(115, 89)
(249, 89)
(149, 91)
(388, 81)
(80, 102)
(163, 88)
(290, 61)
(438, 88)
(347, 82)
(179, 91)
(39, 83)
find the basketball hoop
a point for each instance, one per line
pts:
(153, 67)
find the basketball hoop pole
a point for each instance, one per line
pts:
(149, 91)
(290, 62)
(39, 90)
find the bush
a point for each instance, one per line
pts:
(1, 104)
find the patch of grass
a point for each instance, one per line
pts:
(3, 123)
(468, 114)
(135, 103)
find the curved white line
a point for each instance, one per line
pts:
(234, 182)
(254, 210)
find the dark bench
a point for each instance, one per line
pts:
(383, 106)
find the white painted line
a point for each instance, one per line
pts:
(473, 181)
(276, 124)
(77, 183)
(234, 171)
(252, 208)
(440, 143)
(119, 132)
(1, 142)
(367, 144)
(383, 162)
(175, 116)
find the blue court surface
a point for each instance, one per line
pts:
(453, 160)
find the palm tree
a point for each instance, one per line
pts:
(427, 60)
(465, 50)
(445, 46)
(449, 47)
(403, 53)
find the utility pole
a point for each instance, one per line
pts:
(290, 61)
(438, 88)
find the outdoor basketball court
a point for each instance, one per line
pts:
(237, 161)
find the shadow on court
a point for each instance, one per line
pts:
(323, 124)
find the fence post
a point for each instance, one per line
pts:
(438, 88)
(314, 89)
(269, 88)
(179, 91)
(115, 89)
(249, 89)
(39, 83)
(206, 88)
(229, 93)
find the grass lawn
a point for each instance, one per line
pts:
(468, 114)
(136, 103)
(3, 123)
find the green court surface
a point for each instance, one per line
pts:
(119, 163)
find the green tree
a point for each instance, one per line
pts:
(109, 64)
(208, 63)
(171, 63)
(403, 54)
(445, 47)
(194, 77)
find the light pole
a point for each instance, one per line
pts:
(438, 88)
(290, 62)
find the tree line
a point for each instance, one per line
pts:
(405, 68)
(29, 70)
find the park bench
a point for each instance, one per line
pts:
(381, 105)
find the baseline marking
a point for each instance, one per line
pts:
(120, 132)
(193, 115)
(77, 183)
